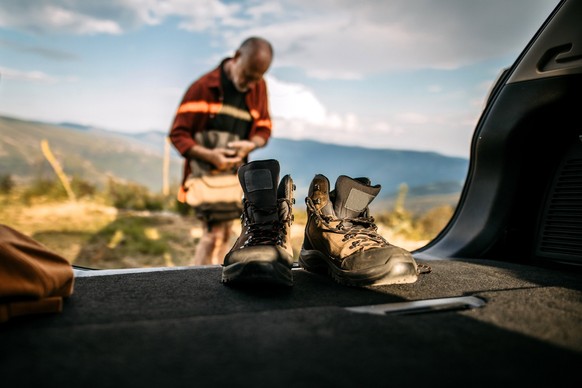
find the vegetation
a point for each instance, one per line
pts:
(125, 225)
(132, 196)
(417, 227)
(138, 240)
(92, 197)
(6, 184)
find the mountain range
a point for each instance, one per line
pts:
(90, 153)
(96, 154)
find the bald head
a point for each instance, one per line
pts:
(256, 45)
(251, 61)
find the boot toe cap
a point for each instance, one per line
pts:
(377, 257)
(259, 253)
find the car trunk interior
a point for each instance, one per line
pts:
(522, 199)
(514, 244)
(180, 327)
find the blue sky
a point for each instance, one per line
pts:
(403, 74)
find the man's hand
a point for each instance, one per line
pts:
(225, 159)
(242, 147)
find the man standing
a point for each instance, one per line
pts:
(223, 116)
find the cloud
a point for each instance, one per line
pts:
(450, 135)
(329, 39)
(57, 16)
(413, 118)
(200, 15)
(44, 52)
(20, 75)
(266, 9)
(291, 101)
(115, 17)
(435, 88)
(297, 113)
(347, 40)
(298, 107)
(324, 39)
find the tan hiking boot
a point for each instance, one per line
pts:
(341, 238)
(263, 253)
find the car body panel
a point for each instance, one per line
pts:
(182, 327)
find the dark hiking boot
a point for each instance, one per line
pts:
(262, 253)
(341, 238)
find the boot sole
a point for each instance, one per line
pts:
(398, 270)
(258, 272)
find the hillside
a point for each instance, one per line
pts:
(425, 173)
(95, 154)
(92, 154)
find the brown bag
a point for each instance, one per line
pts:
(33, 280)
(215, 196)
(214, 189)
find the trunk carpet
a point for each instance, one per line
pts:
(183, 327)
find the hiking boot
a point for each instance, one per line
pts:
(262, 253)
(341, 238)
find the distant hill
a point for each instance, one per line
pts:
(425, 173)
(95, 153)
(92, 154)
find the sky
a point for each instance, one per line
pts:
(398, 74)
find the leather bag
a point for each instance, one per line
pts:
(33, 279)
(214, 189)
(216, 197)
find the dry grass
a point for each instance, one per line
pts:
(95, 235)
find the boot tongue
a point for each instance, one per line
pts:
(353, 196)
(259, 183)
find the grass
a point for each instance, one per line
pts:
(141, 240)
(91, 233)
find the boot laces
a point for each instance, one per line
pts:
(269, 232)
(362, 231)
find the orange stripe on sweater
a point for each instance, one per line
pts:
(199, 107)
